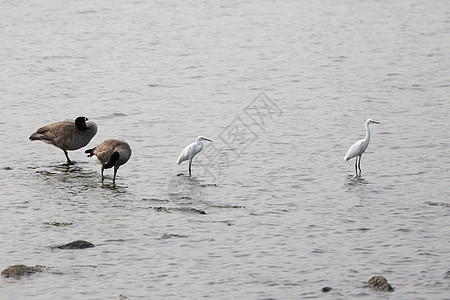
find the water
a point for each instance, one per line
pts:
(285, 215)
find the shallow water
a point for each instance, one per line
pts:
(284, 214)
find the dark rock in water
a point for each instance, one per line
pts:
(380, 283)
(58, 224)
(191, 210)
(171, 235)
(227, 206)
(76, 245)
(20, 270)
(438, 204)
(326, 289)
(182, 209)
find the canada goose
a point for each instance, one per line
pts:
(67, 135)
(111, 153)
(191, 150)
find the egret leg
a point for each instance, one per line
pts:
(114, 178)
(103, 178)
(359, 165)
(190, 163)
(69, 162)
(356, 165)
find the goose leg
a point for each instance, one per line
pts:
(69, 162)
(114, 178)
(103, 178)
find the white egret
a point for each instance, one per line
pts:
(67, 135)
(358, 148)
(111, 153)
(191, 150)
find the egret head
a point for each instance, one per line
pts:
(369, 121)
(201, 138)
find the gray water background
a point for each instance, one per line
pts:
(285, 216)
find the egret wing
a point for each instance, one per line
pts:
(184, 155)
(354, 150)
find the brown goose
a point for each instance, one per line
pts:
(67, 135)
(111, 153)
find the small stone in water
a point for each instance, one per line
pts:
(20, 270)
(76, 245)
(380, 283)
